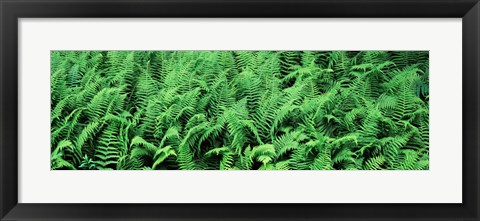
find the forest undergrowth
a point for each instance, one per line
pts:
(240, 110)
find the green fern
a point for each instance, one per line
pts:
(239, 110)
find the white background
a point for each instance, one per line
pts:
(440, 184)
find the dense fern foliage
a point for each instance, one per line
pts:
(239, 110)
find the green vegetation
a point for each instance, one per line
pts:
(240, 110)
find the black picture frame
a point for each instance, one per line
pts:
(11, 10)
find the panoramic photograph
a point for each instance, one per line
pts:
(239, 110)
